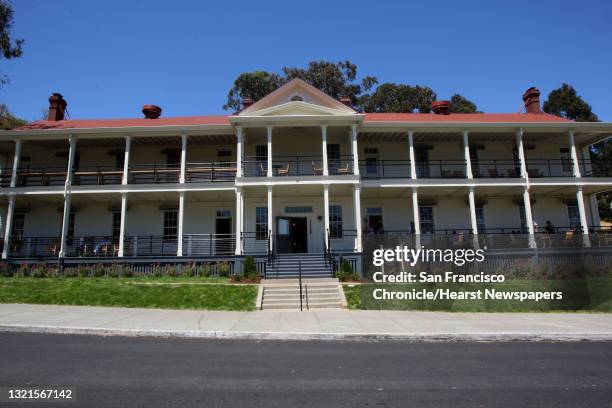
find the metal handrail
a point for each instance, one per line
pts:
(307, 301)
(300, 282)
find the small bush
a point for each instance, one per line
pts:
(346, 273)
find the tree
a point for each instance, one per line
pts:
(254, 85)
(335, 79)
(9, 48)
(7, 120)
(391, 97)
(460, 104)
(565, 102)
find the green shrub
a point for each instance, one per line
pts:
(346, 273)
(249, 268)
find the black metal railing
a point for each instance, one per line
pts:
(496, 169)
(34, 247)
(380, 169)
(549, 168)
(255, 242)
(595, 168)
(150, 245)
(154, 173)
(297, 166)
(97, 175)
(209, 244)
(6, 173)
(343, 241)
(209, 172)
(92, 246)
(28, 176)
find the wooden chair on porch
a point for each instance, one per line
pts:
(284, 171)
(344, 169)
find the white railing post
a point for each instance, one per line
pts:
(239, 151)
(8, 226)
(415, 212)
(181, 212)
(529, 217)
(413, 173)
(122, 225)
(324, 149)
(269, 166)
(326, 213)
(473, 218)
(16, 159)
(574, 155)
(357, 214)
(238, 221)
(126, 160)
(183, 158)
(521, 153)
(466, 152)
(67, 186)
(354, 150)
(270, 214)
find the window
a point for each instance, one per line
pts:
(116, 230)
(261, 152)
(573, 215)
(523, 216)
(170, 225)
(421, 159)
(70, 232)
(224, 157)
(333, 151)
(261, 223)
(566, 161)
(480, 218)
(426, 220)
(17, 226)
(335, 221)
(119, 160)
(173, 158)
(371, 158)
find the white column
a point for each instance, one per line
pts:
(357, 212)
(8, 226)
(270, 215)
(71, 153)
(238, 221)
(183, 158)
(126, 160)
(587, 168)
(473, 219)
(324, 148)
(529, 217)
(269, 167)
(16, 159)
(326, 212)
(122, 224)
(521, 153)
(355, 150)
(574, 155)
(239, 151)
(181, 216)
(65, 219)
(415, 212)
(581, 210)
(466, 152)
(413, 173)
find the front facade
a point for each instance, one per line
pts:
(295, 172)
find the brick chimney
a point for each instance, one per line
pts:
(346, 100)
(531, 99)
(441, 107)
(57, 107)
(151, 111)
(246, 102)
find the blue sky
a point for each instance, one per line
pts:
(109, 58)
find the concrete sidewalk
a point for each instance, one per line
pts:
(330, 324)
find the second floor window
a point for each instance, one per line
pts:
(335, 221)
(421, 159)
(261, 223)
(224, 157)
(170, 225)
(573, 215)
(261, 152)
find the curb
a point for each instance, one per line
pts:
(304, 336)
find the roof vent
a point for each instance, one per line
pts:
(297, 98)
(531, 99)
(57, 107)
(346, 100)
(441, 107)
(246, 102)
(151, 111)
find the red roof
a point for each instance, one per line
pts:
(465, 117)
(223, 120)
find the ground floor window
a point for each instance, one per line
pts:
(70, 231)
(116, 231)
(261, 223)
(426, 220)
(170, 225)
(523, 217)
(374, 222)
(335, 221)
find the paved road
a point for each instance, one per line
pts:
(148, 372)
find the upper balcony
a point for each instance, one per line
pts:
(298, 166)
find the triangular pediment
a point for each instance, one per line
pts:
(297, 98)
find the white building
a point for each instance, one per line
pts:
(201, 188)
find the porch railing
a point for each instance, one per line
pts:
(153, 173)
(297, 166)
(97, 175)
(149, 245)
(255, 242)
(209, 244)
(549, 168)
(210, 171)
(595, 168)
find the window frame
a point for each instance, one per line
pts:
(336, 221)
(261, 223)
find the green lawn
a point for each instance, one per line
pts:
(163, 292)
(589, 294)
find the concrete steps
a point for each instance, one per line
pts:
(316, 293)
(288, 266)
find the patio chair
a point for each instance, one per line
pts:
(284, 171)
(263, 171)
(344, 169)
(317, 169)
